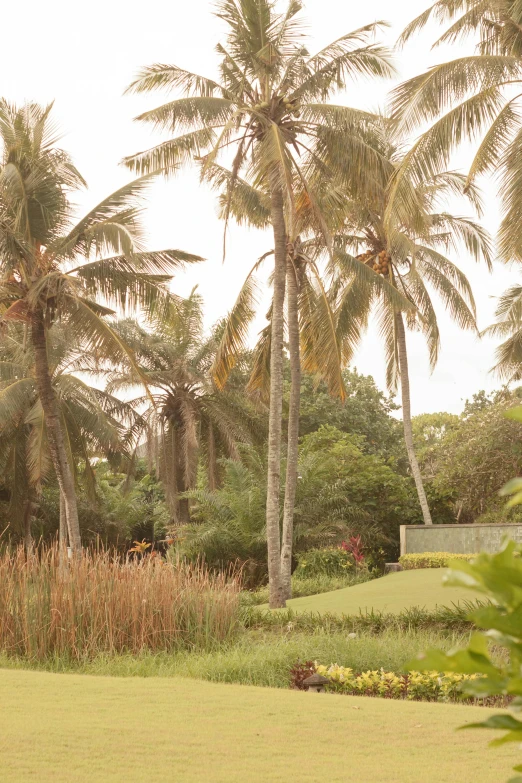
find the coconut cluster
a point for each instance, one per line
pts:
(281, 103)
(380, 263)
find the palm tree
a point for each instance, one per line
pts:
(310, 322)
(412, 258)
(94, 422)
(190, 422)
(468, 98)
(268, 110)
(41, 281)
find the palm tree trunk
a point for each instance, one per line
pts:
(53, 424)
(273, 533)
(293, 429)
(28, 537)
(406, 417)
(62, 534)
(181, 484)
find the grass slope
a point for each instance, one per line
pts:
(391, 593)
(72, 728)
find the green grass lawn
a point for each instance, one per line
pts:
(392, 593)
(71, 728)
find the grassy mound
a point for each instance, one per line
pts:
(72, 728)
(392, 593)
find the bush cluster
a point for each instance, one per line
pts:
(414, 686)
(431, 559)
(330, 561)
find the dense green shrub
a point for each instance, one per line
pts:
(430, 560)
(331, 561)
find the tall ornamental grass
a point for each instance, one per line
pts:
(99, 604)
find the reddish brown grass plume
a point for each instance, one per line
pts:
(98, 603)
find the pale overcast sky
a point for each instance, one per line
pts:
(83, 55)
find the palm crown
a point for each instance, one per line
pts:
(40, 245)
(268, 102)
(412, 258)
(477, 96)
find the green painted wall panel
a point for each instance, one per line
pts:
(463, 539)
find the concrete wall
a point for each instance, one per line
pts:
(464, 539)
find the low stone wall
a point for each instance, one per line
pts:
(462, 539)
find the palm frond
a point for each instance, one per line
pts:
(235, 332)
(170, 155)
(184, 113)
(159, 76)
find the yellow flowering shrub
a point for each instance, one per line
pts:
(415, 686)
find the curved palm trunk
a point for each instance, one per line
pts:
(273, 534)
(406, 417)
(53, 424)
(293, 429)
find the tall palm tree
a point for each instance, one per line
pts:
(268, 111)
(412, 257)
(310, 321)
(190, 422)
(470, 98)
(41, 280)
(94, 422)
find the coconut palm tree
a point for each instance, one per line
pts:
(51, 269)
(412, 257)
(94, 423)
(190, 422)
(469, 98)
(268, 111)
(310, 322)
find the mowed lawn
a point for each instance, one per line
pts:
(65, 728)
(391, 593)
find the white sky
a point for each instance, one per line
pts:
(83, 55)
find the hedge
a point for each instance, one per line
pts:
(430, 560)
